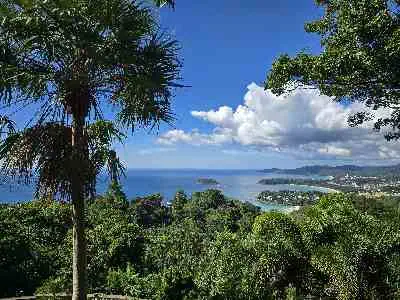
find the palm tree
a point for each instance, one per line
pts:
(68, 60)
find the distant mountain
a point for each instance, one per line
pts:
(339, 170)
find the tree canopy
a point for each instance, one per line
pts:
(344, 247)
(359, 62)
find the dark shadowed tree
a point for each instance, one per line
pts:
(68, 60)
(359, 61)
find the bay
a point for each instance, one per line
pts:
(238, 184)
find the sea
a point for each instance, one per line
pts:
(239, 184)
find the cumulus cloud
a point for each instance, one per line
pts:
(336, 151)
(150, 151)
(218, 137)
(303, 122)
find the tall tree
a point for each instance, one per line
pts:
(68, 60)
(360, 59)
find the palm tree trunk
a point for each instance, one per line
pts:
(79, 263)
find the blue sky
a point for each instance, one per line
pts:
(226, 45)
(226, 120)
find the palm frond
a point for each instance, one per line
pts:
(102, 135)
(7, 126)
(115, 167)
(44, 154)
(72, 58)
(146, 88)
(74, 51)
(161, 3)
(43, 150)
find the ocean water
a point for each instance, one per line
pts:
(238, 184)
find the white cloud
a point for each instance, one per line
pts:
(303, 123)
(222, 117)
(218, 137)
(334, 151)
(149, 151)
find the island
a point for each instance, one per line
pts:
(207, 181)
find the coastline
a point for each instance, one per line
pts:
(327, 189)
(288, 208)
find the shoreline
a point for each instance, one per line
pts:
(328, 189)
(287, 207)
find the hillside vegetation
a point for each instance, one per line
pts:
(207, 247)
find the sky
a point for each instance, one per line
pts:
(225, 119)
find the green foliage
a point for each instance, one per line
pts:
(101, 137)
(290, 294)
(172, 254)
(208, 199)
(221, 271)
(53, 285)
(179, 202)
(359, 61)
(214, 248)
(149, 210)
(378, 206)
(124, 282)
(282, 257)
(112, 243)
(116, 195)
(257, 266)
(354, 249)
(31, 237)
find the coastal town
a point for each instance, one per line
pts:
(312, 187)
(372, 184)
(361, 182)
(295, 198)
(346, 183)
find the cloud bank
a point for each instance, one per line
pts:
(304, 124)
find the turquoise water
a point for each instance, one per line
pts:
(239, 184)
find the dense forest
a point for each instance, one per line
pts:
(207, 247)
